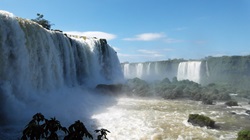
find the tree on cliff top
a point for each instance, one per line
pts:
(40, 20)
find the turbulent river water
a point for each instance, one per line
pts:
(157, 119)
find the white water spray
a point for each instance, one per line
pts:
(155, 119)
(49, 72)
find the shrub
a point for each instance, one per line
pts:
(77, 131)
(244, 135)
(43, 22)
(138, 87)
(48, 130)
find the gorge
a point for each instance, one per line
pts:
(56, 74)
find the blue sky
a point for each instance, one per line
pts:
(150, 30)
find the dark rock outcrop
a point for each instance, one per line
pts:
(231, 103)
(111, 89)
(248, 112)
(201, 120)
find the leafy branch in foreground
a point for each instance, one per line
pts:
(34, 130)
(41, 128)
(77, 131)
(103, 134)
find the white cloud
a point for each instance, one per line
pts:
(172, 40)
(97, 34)
(140, 57)
(150, 52)
(152, 37)
(143, 55)
(168, 49)
(146, 37)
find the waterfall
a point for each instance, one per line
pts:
(189, 71)
(151, 71)
(139, 70)
(148, 68)
(156, 68)
(133, 70)
(34, 60)
(207, 70)
(126, 70)
(31, 55)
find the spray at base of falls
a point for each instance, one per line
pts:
(47, 70)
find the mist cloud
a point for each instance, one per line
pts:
(97, 34)
(146, 37)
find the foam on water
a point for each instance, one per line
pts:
(145, 119)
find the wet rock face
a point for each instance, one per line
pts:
(231, 103)
(115, 88)
(201, 120)
(248, 112)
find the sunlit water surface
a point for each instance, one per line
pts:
(156, 119)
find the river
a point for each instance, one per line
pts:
(158, 119)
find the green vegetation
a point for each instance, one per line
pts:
(233, 70)
(77, 131)
(47, 130)
(41, 128)
(177, 90)
(244, 135)
(201, 120)
(137, 87)
(43, 22)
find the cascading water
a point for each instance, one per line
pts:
(41, 69)
(150, 71)
(207, 70)
(126, 70)
(139, 70)
(31, 55)
(189, 71)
